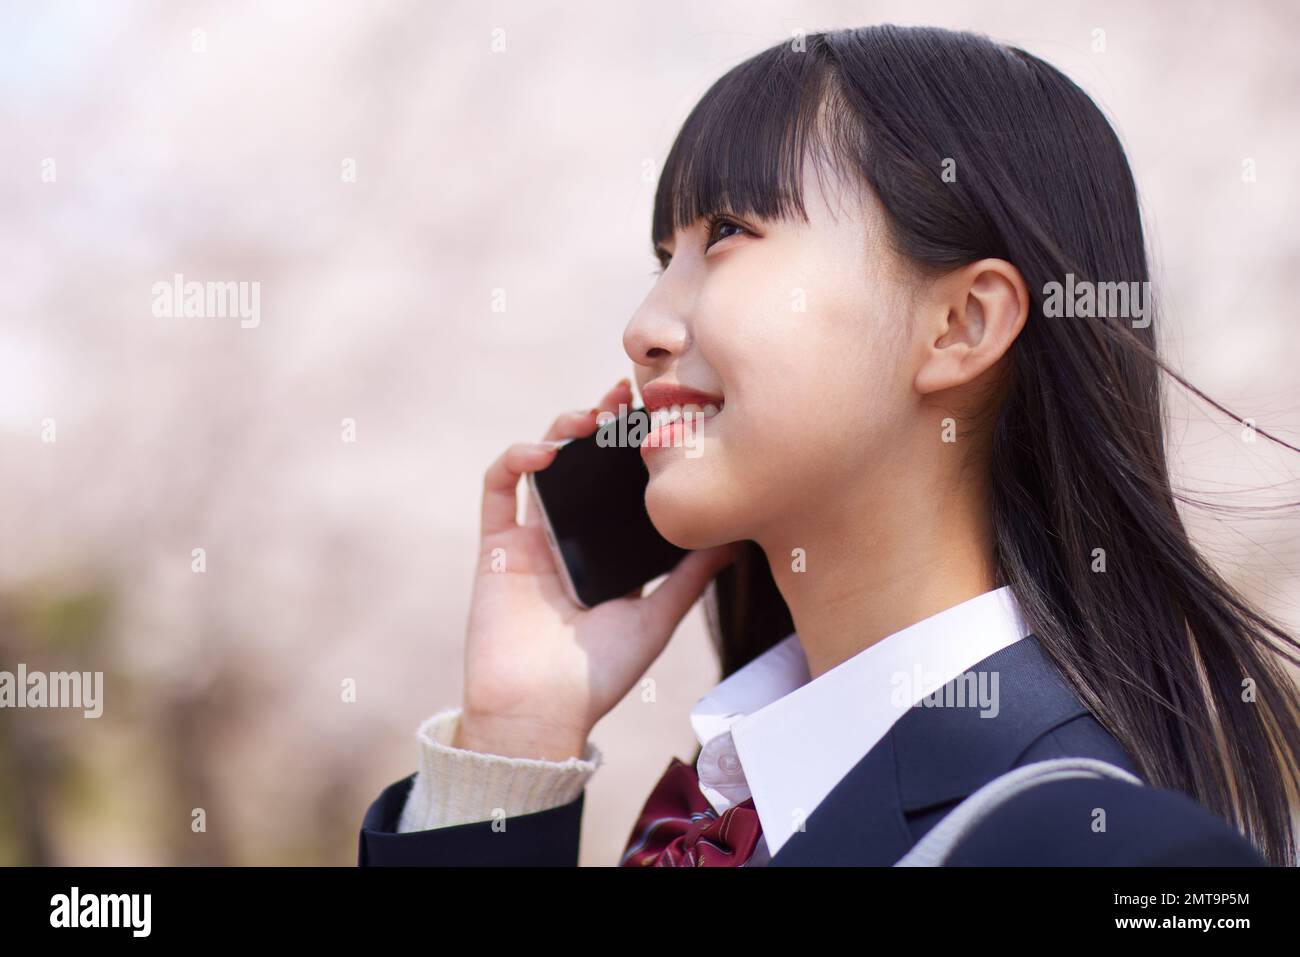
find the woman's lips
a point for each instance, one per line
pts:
(684, 432)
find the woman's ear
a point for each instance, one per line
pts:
(969, 323)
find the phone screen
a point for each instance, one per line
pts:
(592, 497)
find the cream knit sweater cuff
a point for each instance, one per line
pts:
(456, 786)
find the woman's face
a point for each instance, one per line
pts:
(799, 328)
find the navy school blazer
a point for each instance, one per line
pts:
(920, 770)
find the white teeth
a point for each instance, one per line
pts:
(667, 415)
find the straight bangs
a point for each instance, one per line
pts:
(743, 147)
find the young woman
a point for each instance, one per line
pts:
(920, 470)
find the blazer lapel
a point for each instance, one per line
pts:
(932, 756)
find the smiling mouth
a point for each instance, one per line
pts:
(690, 413)
(678, 426)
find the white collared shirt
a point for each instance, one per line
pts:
(769, 733)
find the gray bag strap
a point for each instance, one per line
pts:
(936, 844)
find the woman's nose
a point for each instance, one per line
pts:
(655, 333)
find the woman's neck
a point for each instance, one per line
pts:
(872, 569)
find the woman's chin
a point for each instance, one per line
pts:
(684, 512)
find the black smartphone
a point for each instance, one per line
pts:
(592, 501)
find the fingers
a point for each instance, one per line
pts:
(577, 425)
(668, 604)
(580, 423)
(501, 483)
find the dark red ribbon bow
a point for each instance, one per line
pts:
(679, 828)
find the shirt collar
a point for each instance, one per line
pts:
(768, 732)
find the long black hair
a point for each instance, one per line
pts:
(979, 150)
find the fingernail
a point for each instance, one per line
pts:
(554, 443)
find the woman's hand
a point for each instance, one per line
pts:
(540, 670)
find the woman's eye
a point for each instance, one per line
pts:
(717, 234)
(716, 231)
